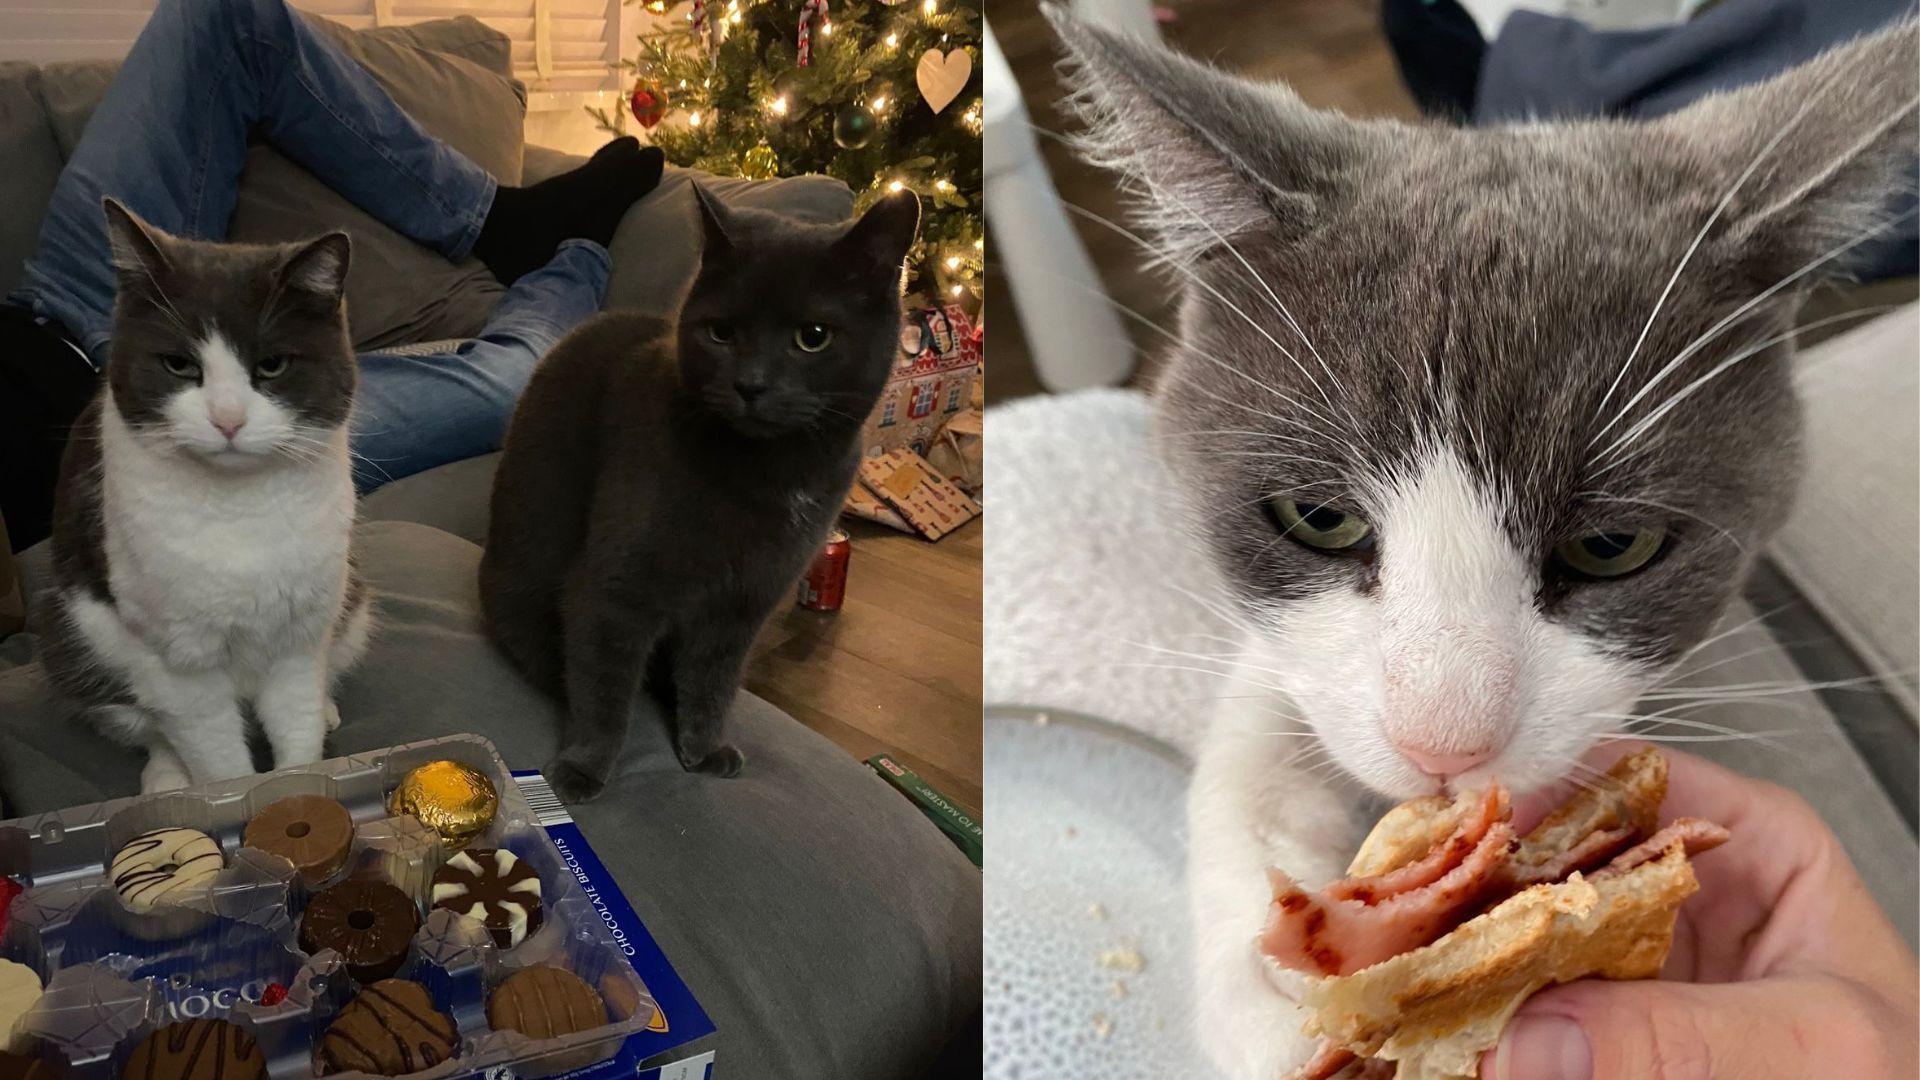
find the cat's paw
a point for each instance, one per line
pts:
(164, 771)
(333, 715)
(574, 784)
(724, 762)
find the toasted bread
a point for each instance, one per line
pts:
(1436, 1009)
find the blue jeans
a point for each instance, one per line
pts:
(169, 140)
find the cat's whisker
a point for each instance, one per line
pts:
(1713, 332)
(1180, 342)
(1765, 737)
(1765, 687)
(1657, 505)
(1167, 195)
(1217, 295)
(1674, 400)
(1726, 200)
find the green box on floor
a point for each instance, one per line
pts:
(959, 826)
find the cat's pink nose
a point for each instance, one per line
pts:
(1435, 763)
(229, 428)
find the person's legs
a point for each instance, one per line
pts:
(170, 137)
(415, 412)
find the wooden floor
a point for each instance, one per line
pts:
(1331, 52)
(897, 669)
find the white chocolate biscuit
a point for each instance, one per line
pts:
(157, 867)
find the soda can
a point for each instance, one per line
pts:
(824, 588)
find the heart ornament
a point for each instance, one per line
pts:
(942, 77)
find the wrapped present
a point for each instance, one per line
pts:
(932, 380)
(915, 490)
(957, 451)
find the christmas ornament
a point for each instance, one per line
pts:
(758, 163)
(649, 104)
(853, 127)
(705, 29)
(941, 78)
(274, 994)
(808, 9)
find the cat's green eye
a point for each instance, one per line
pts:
(1607, 553)
(812, 337)
(1319, 526)
(272, 367)
(180, 367)
(720, 333)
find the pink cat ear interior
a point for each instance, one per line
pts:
(320, 267)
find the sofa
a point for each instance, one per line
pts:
(826, 927)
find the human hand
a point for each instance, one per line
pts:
(1782, 965)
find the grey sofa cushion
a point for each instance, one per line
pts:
(827, 927)
(453, 498)
(657, 249)
(452, 77)
(32, 156)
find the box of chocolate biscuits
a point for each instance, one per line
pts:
(395, 913)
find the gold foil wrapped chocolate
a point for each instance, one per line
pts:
(457, 801)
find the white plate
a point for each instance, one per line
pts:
(1087, 871)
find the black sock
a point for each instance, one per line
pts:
(525, 224)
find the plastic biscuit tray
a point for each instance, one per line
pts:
(113, 976)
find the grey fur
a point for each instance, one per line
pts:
(662, 488)
(1483, 290)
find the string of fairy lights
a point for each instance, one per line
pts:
(882, 94)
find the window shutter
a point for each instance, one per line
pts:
(560, 47)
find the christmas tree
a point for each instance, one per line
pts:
(881, 94)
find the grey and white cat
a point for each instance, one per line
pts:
(202, 528)
(1481, 427)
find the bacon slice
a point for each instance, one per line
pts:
(1695, 834)
(1358, 922)
(1431, 867)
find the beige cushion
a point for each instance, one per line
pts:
(32, 156)
(452, 77)
(1849, 544)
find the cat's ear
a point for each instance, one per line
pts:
(320, 267)
(1804, 165)
(884, 234)
(139, 249)
(1209, 154)
(715, 223)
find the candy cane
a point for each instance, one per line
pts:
(807, 10)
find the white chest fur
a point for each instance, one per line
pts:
(214, 568)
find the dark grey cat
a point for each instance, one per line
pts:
(664, 483)
(1482, 429)
(204, 516)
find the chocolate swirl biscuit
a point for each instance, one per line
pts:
(391, 1029)
(495, 887)
(197, 1050)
